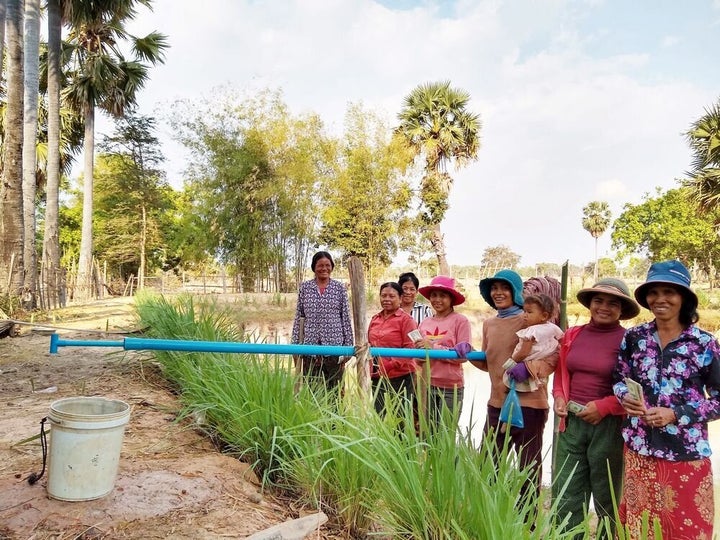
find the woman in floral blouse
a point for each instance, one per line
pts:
(668, 474)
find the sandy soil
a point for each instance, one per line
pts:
(172, 482)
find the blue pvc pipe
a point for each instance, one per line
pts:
(135, 344)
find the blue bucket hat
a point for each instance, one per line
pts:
(510, 277)
(669, 272)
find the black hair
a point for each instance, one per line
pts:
(543, 301)
(392, 285)
(688, 310)
(408, 276)
(321, 255)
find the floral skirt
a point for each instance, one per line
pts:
(679, 494)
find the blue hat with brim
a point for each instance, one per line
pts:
(670, 273)
(510, 277)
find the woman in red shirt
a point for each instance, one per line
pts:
(390, 328)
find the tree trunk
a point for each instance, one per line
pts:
(54, 284)
(595, 272)
(30, 122)
(438, 245)
(84, 289)
(11, 199)
(3, 12)
(143, 241)
(360, 327)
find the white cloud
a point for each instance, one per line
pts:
(563, 122)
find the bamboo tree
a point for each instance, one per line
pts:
(366, 203)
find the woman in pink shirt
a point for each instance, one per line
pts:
(390, 328)
(444, 330)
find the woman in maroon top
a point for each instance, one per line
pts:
(589, 451)
(390, 328)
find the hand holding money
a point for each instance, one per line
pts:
(634, 400)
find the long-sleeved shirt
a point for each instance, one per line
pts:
(499, 340)
(392, 331)
(445, 333)
(588, 355)
(327, 315)
(684, 376)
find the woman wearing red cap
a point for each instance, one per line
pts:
(444, 330)
(668, 381)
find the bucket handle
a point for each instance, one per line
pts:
(34, 477)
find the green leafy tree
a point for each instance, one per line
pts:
(133, 194)
(498, 257)
(667, 226)
(437, 125)
(366, 203)
(103, 77)
(704, 140)
(596, 219)
(257, 174)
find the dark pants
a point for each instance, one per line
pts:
(403, 387)
(323, 371)
(588, 461)
(527, 442)
(444, 398)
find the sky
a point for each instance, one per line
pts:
(579, 100)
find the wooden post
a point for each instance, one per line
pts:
(563, 296)
(359, 313)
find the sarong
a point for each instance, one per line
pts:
(678, 494)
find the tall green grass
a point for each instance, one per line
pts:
(375, 476)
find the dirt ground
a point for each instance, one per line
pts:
(172, 482)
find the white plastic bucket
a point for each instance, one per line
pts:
(85, 442)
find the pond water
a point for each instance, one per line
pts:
(477, 391)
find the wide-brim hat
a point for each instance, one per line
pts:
(668, 272)
(445, 284)
(613, 287)
(510, 277)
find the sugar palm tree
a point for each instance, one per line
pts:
(104, 78)
(436, 124)
(596, 218)
(704, 140)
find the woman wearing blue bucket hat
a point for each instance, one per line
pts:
(503, 292)
(668, 380)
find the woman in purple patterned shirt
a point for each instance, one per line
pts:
(668, 380)
(322, 317)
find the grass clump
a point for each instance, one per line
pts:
(374, 475)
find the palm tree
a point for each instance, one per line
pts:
(29, 163)
(104, 78)
(11, 202)
(704, 140)
(596, 218)
(54, 285)
(436, 124)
